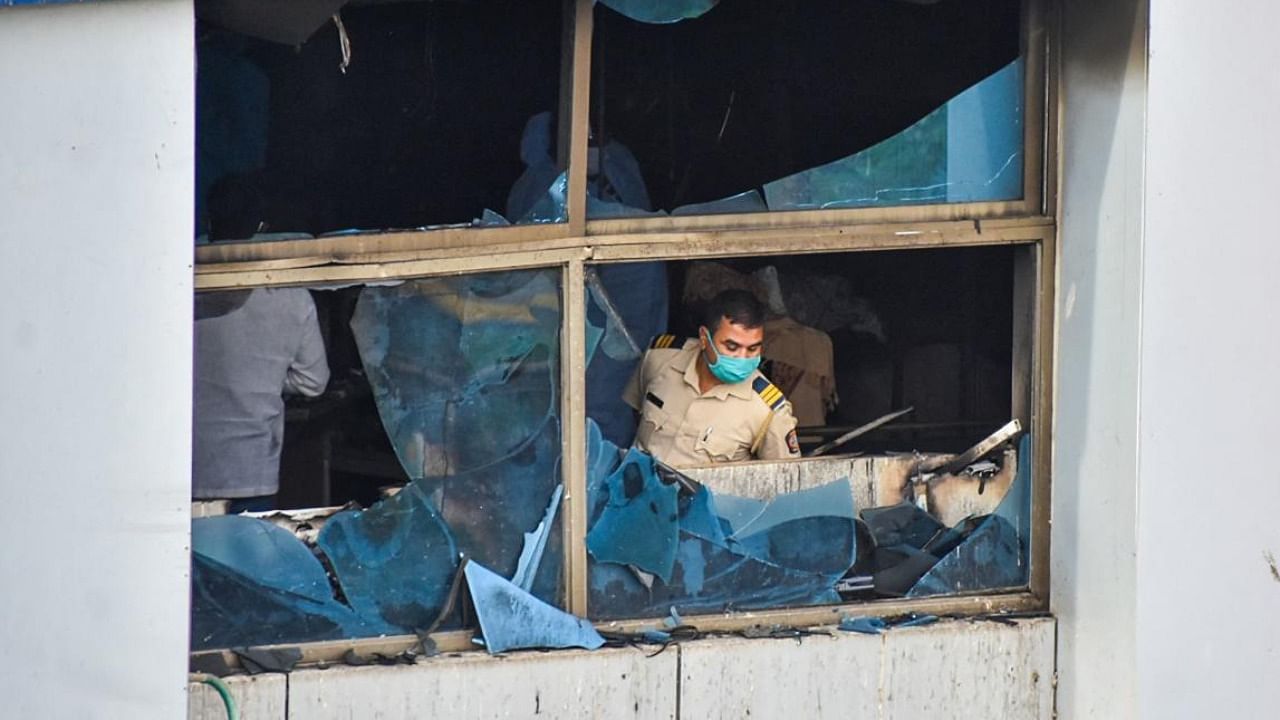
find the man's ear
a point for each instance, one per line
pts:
(703, 334)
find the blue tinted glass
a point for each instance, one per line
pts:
(968, 150)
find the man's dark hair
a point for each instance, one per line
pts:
(739, 307)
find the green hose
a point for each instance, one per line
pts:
(233, 713)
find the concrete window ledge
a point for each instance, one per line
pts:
(955, 669)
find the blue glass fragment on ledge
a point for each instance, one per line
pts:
(512, 619)
(258, 549)
(395, 561)
(253, 583)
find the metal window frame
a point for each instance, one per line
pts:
(1028, 224)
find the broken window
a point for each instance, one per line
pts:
(370, 117)
(464, 374)
(746, 106)
(922, 340)
(421, 483)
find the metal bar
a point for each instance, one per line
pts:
(1011, 603)
(580, 121)
(985, 446)
(861, 430)
(680, 246)
(330, 248)
(1042, 416)
(835, 430)
(573, 438)
(967, 212)
(337, 274)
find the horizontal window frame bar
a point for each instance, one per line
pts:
(402, 264)
(331, 652)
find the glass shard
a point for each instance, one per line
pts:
(231, 609)
(464, 372)
(638, 295)
(395, 561)
(996, 555)
(661, 11)
(511, 618)
(788, 552)
(810, 530)
(253, 583)
(968, 150)
(258, 549)
(535, 544)
(638, 525)
(447, 356)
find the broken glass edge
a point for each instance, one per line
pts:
(660, 12)
(970, 171)
(1008, 528)
(512, 619)
(638, 503)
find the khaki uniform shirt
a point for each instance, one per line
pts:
(682, 427)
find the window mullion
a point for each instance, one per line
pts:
(573, 435)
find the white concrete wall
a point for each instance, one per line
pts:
(1208, 638)
(953, 670)
(96, 147)
(1096, 407)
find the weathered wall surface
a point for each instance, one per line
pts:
(1103, 85)
(96, 151)
(957, 670)
(1208, 587)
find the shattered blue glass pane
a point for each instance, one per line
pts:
(707, 578)
(231, 609)
(638, 524)
(968, 150)
(258, 549)
(464, 373)
(737, 511)
(394, 561)
(629, 302)
(511, 619)
(793, 555)
(446, 356)
(253, 583)
(661, 11)
(997, 554)
(698, 517)
(490, 510)
(811, 530)
(603, 457)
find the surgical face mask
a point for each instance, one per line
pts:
(730, 369)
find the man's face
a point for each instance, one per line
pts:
(735, 340)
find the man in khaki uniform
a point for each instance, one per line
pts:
(702, 400)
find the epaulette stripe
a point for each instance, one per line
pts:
(662, 342)
(768, 392)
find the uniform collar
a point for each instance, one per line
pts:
(685, 363)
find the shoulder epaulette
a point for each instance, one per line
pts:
(768, 392)
(663, 342)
